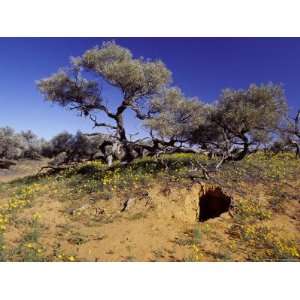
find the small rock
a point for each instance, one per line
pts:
(128, 203)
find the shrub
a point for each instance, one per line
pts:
(19, 145)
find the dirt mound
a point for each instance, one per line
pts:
(199, 202)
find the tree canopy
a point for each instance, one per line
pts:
(239, 122)
(244, 119)
(136, 78)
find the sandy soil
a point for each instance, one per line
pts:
(160, 225)
(22, 169)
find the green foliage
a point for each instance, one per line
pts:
(3, 255)
(30, 249)
(249, 211)
(95, 177)
(197, 235)
(279, 167)
(135, 77)
(242, 120)
(174, 116)
(278, 198)
(255, 110)
(263, 243)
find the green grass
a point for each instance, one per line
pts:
(96, 177)
(262, 243)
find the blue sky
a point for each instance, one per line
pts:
(201, 67)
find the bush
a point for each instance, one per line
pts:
(19, 145)
(76, 147)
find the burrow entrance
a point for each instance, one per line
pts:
(213, 203)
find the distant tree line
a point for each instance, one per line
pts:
(64, 147)
(19, 145)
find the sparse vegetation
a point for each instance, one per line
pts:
(88, 199)
(120, 196)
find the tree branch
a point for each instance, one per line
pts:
(96, 124)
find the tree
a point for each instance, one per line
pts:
(9, 144)
(136, 78)
(66, 148)
(60, 143)
(172, 118)
(237, 124)
(242, 120)
(31, 144)
(290, 134)
(19, 145)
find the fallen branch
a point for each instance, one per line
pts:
(54, 168)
